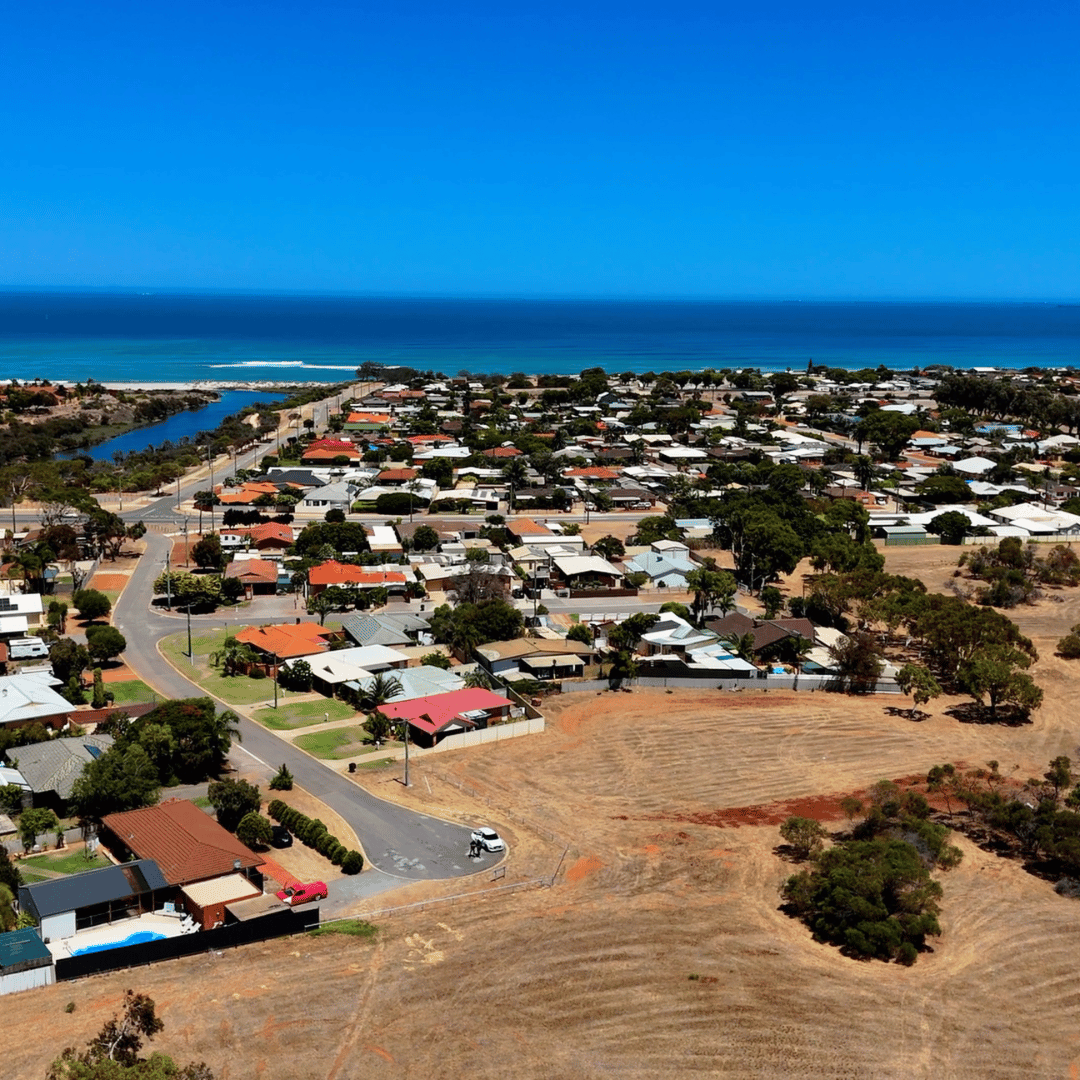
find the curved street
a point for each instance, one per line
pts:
(397, 841)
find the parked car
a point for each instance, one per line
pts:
(489, 839)
(281, 837)
(300, 894)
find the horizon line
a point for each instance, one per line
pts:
(510, 297)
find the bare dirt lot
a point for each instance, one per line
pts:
(661, 950)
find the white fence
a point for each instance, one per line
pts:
(1057, 538)
(530, 726)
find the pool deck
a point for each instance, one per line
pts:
(157, 923)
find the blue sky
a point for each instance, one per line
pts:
(587, 149)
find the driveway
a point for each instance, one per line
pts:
(397, 841)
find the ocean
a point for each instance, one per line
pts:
(128, 336)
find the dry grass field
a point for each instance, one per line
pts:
(661, 951)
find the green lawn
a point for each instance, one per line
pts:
(74, 862)
(130, 691)
(30, 878)
(348, 927)
(202, 801)
(302, 714)
(340, 743)
(233, 689)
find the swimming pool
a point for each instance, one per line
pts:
(132, 939)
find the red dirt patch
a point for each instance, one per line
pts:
(118, 674)
(109, 582)
(586, 865)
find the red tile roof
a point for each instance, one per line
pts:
(255, 571)
(187, 844)
(597, 472)
(368, 418)
(332, 444)
(335, 573)
(329, 455)
(433, 713)
(287, 640)
(502, 452)
(527, 527)
(397, 474)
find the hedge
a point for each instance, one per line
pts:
(314, 834)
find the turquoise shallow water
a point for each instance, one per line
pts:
(172, 337)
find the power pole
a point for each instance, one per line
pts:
(168, 577)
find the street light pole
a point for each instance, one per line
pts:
(168, 577)
(191, 655)
(405, 735)
(274, 655)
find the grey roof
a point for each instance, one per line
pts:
(92, 887)
(57, 764)
(304, 477)
(382, 629)
(417, 682)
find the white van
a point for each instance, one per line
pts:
(27, 648)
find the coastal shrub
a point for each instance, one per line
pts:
(282, 780)
(312, 833)
(353, 863)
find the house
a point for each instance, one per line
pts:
(287, 641)
(335, 496)
(186, 844)
(345, 575)
(396, 478)
(535, 658)
(247, 494)
(674, 636)
(258, 576)
(49, 769)
(415, 683)
(366, 421)
(29, 698)
(501, 453)
(334, 669)
(18, 613)
(25, 962)
(585, 571)
(431, 719)
(664, 569)
(329, 449)
(767, 633)
(383, 629)
(74, 902)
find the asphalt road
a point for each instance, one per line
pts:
(397, 841)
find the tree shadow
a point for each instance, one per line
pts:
(971, 712)
(916, 716)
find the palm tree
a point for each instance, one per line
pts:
(516, 474)
(741, 645)
(379, 691)
(864, 472)
(478, 679)
(233, 655)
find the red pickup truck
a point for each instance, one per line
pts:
(300, 894)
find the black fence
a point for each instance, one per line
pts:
(277, 924)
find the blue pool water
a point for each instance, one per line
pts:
(132, 939)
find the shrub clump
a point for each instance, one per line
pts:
(313, 833)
